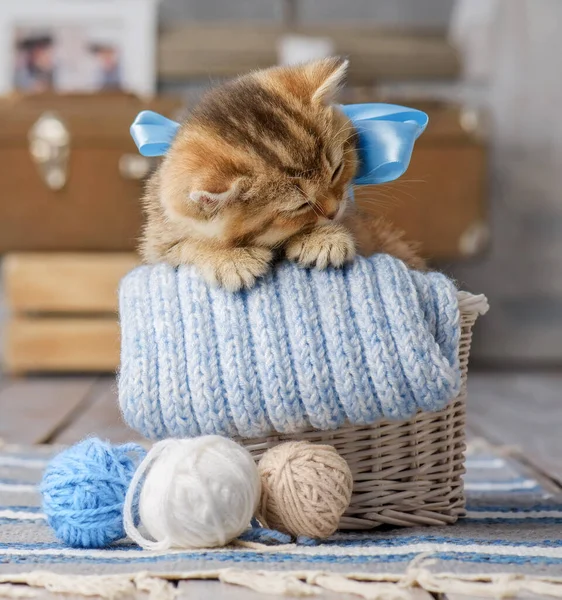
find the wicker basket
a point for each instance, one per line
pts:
(404, 472)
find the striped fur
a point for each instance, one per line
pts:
(262, 166)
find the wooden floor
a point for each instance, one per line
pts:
(523, 410)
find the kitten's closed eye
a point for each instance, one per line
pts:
(303, 206)
(337, 172)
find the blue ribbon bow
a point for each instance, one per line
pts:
(387, 133)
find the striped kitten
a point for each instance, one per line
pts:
(263, 165)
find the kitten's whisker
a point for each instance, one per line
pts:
(344, 129)
(402, 181)
(375, 211)
(314, 208)
(378, 194)
(318, 211)
(384, 202)
(363, 202)
(347, 125)
(399, 186)
(300, 175)
(392, 190)
(388, 201)
(398, 191)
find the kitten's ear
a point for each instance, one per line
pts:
(212, 199)
(326, 77)
(315, 82)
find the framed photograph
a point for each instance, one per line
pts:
(78, 46)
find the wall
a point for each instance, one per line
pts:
(386, 12)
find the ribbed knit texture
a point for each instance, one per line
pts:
(302, 348)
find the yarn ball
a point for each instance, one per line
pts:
(306, 488)
(84, 488)
(197, 493)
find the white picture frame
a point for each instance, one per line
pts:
(131, 24)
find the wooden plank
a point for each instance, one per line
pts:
(419, 594)
(520, 410)
(32, 410)
(203, 590)
(215, 49)
(522, 596)
(65, 282)
(36, 344)
(19, 591)
(101, 418)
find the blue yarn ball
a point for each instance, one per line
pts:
(84, 490)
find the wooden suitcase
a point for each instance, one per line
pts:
(83, 194)
(71, 174)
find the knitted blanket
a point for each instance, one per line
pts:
(303, 348)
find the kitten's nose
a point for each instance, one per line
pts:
(332, 215)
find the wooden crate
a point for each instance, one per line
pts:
(63, 311)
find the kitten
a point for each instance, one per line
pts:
(263, 165)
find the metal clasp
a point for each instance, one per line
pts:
(49, 146)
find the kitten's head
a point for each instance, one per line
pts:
(262, 157)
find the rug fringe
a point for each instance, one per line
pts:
(8, 590)
(108, 587)
(376, 586)
(369, 590)
(503, 585)
(387, 586)
(278, 584)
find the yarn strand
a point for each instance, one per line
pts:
(131, 529)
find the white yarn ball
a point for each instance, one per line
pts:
(198, 493)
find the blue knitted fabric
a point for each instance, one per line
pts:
(302, 348)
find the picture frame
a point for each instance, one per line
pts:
(78, 46)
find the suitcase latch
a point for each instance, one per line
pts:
(49, 146)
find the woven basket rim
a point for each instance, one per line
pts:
(472, 303)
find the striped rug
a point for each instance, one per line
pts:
(512, 536)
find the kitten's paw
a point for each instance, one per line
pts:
(327, 245)
(237, 268)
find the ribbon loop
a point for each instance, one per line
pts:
(387, 133)
(152, 133)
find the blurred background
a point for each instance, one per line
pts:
(483, 193)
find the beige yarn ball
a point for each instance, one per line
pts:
(306, 488)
